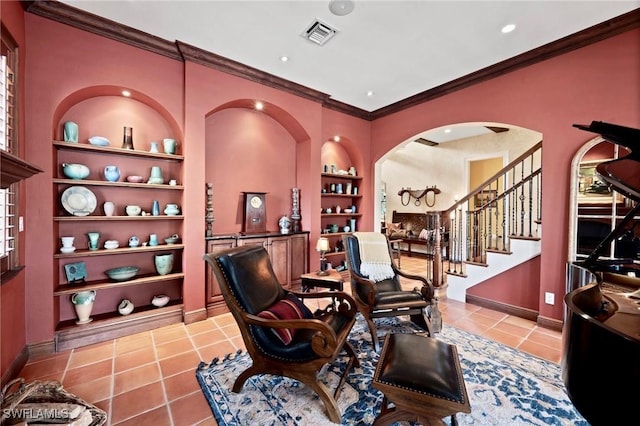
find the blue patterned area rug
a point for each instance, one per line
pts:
(505, 386)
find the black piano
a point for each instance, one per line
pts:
(601, 332)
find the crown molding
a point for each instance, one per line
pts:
(77, 18)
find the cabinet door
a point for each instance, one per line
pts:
(280, 253)
(214, 295)
(299, 258)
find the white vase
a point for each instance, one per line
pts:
(109, 208)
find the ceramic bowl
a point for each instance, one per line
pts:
(111, 244)
(172, 239)
(348, 210)
(133, 210)
(160, 300)
(99, 141)
(135, 179)
(123, 273)
(75, 171)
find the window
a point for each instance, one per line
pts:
(9, 257)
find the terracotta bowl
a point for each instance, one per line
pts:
(135, 179)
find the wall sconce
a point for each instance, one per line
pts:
(322, 246)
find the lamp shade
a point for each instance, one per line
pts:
(322, 244)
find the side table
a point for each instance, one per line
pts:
(333, 281)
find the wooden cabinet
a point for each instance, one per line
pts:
(94, 191)
(339, 199)
(215, 301)
(288, 254)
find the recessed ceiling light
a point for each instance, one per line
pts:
(508, 28)
(284, 58)
(336, 138)
(341, 7)
(259, 105)
(370, 93)
(126, 93)
(447, 130)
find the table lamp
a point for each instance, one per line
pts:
(322, 246)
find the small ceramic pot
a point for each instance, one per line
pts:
(133, 210)
(169, 146)
(94, 237)
(334, 228)
(164, 263)
(172, 210)
(125, 307)
(160, 300)
(67, 241)
(112, 173)
(109, 208)
(134, 241)
(75, 171)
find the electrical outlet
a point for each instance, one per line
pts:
(549, 298)
(20, 224)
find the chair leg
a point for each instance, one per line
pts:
(330, 404)
(423, 321)
(251, 371)
(374, 333)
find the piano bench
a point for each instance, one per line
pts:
(422, 377)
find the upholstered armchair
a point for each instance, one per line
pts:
(281, 334)
(376, 287)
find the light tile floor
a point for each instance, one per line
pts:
(149, 378)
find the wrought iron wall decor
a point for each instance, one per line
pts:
(407, 193)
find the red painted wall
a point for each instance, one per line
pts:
(547, 97)
(598, 82)
(12, 292)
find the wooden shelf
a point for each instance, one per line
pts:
(116, 151)
(114, 218)
(75, 182)
(106, 284)
(340, 214)
(334, 234)
(339, 176)
(336, 195)
(120, 250)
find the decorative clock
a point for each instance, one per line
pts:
(255, 213)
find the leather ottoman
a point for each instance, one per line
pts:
(422, 377)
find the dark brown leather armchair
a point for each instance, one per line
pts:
(386, 298)
(293, 347)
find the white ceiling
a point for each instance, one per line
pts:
(394, 48)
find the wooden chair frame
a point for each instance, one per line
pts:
(325, 341)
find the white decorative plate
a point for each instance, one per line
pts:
(99, 141)
(79, 201)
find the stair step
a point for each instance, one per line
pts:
(523, 237)
(498, 251)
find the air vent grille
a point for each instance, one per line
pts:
(427, 142)
(318, 32)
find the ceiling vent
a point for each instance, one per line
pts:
(319, 32)
(427, 142)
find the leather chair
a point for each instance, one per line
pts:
(256, 300)
(386, 298)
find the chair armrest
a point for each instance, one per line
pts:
(427, 289)
(367, 287)
(324, 342)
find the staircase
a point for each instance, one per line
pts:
(494, 228)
